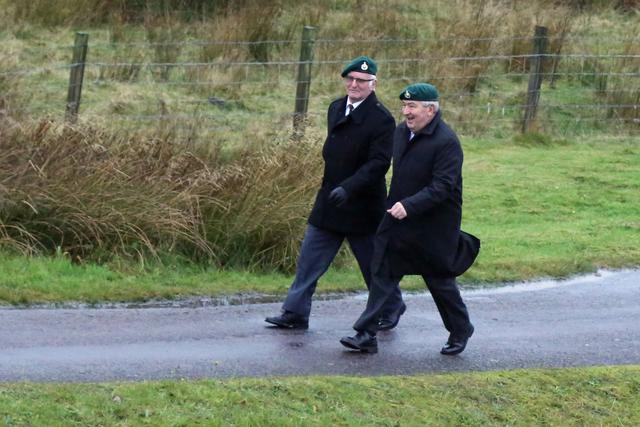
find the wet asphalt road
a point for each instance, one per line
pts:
(588, 320)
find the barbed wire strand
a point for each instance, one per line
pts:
(331, 41)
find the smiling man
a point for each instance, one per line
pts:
(350, 202)
(421, 232)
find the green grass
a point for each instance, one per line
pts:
(541, 208)
(562, 397)
(56, 280)
(554, 208)
(41, 279)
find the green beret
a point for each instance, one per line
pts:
(420, 92)
(362, 64)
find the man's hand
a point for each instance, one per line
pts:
(397, 211)
(338, 196)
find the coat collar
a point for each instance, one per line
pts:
(359, 114)
(430, 128)
(404, 142)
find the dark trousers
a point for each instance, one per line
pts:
(444, 291)
(319, 248)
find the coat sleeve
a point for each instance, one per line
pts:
(378, 159)
(447, 169)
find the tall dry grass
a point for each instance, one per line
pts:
(10, 83)
(621, 98)
(447, 45)
(264, 198)
(95, 194)
(473, 31)
(91, 12)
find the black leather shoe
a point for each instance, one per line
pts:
(289, 320)
(389, 322)
(363, 341)
(456, 344)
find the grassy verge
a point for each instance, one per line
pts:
(587, 396)
(541, 208)
(552, 208)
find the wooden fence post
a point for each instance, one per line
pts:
(76, 75)
(304, 79)
(540, 43)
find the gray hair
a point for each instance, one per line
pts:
(435, 104)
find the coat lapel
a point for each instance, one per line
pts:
(336, 114)
(360, 113)
(401, 145)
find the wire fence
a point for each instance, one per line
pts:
(211, 87)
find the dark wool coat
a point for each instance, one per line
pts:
(357, 155)
(427, 180)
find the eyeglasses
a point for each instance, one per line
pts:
(349, 80)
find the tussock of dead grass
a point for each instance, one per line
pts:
(94, 194)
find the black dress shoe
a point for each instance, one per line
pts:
(363, 341)
(389, 322)
(289, 320)
(456, 344)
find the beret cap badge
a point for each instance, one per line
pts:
(364, 66)
(407, 94)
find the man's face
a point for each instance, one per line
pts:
(359, 85)
(417, 115)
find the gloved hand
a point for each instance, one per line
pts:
(338, 196)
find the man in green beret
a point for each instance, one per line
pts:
(350, 202)
(420, 233)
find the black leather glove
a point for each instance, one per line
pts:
(338, 196)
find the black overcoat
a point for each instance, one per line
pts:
(357, 155)
(427, 180)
